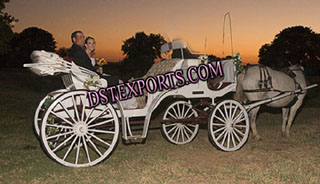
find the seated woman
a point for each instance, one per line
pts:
(89, 47)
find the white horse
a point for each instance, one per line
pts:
(260, 82)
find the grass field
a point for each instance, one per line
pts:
(274, 159)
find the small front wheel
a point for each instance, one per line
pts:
(229, 126)
(179, 133)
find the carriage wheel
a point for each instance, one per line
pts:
(78, 136)
(229, 125)
(179, 133)
(38, 116)
(43, 105)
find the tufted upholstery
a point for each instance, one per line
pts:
(161, 67)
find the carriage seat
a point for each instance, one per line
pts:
(157, 68)
(48, 63)
(219, 83)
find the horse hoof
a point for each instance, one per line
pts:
(257, 138)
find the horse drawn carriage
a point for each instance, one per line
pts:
(75, 134)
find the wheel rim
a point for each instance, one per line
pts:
(229, 125)
(179, 133)
(78, 136)
(38, 116)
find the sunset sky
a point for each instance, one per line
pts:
(254, 22)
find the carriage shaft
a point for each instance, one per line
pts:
(277, 97)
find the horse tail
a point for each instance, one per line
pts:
(239, 96)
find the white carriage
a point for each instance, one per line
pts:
(73, 134)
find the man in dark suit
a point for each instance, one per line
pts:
(81, 58)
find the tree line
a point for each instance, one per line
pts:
(293, 45)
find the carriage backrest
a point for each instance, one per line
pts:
(47, 63)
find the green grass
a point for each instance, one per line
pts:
(274, 159)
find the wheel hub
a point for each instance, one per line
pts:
(80, 129)
(179, 125)
(229, 123)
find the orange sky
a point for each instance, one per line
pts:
(254, 22)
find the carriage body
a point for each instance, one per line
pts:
(64, 122)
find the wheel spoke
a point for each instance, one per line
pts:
(94, 146)
(101, 131)
(172, 128)
(235, 134)
(100, 140)
(225, 119)
(174, 117)
(175, 112)
(190, 114)
(97, 116)
(83, 113)
(185, 132)
(238, 116)
(224, 138)
(186, 127)
(59, 126)
(179, 130)
(78, 151)
(64, 142)
(182, 133)
(70, 148)
(239, 132)
(75, 107)
(241, 126)
(86, 148)
(58, 135)
(217, 124)
(228, 140)
(62, 118)
(232, 137)
(222, 133)
(239, 120)
(91, 110)
(234, 112)
(182, 112)
(230, 111)
(178, 109)
(169, 125)
(101, 123)
(185, 114)
(174, 133)
(225, 111)
(66, 110)
(194, 126)
(218, 130)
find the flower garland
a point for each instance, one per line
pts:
(93, 81)
(237, 62)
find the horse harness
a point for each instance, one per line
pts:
(265, 82)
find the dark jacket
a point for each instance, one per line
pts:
(80, 57)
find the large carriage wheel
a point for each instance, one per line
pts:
(78, 136)
(229, 125)
(179, 133)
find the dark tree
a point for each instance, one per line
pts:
(31, 39)
(6, 33)
(293, 45)
(140, 52)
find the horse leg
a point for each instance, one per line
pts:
(285, 116)
(292, 113)
(253, 116)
